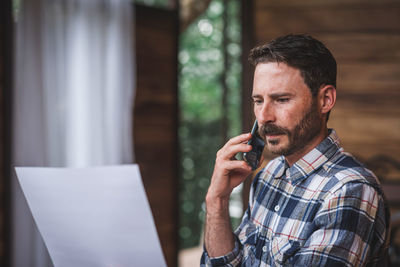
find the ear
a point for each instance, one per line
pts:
(327, 98)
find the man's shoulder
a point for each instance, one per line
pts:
(344, 168)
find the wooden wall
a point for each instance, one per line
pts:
(155, 119)
(2, 128)
(5, 90)
(364, 37)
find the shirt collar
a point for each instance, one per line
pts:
(310, 162)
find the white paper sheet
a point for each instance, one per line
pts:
(96, 217)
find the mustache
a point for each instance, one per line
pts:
(272, 129)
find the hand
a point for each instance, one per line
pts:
(229, 172)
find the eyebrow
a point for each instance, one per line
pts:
(274, 96)
(256, 96)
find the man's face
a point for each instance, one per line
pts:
(287, 114)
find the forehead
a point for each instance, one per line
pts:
(276, 77)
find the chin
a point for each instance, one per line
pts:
(276, 149)
(277, 145)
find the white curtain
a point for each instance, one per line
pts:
(73, 96)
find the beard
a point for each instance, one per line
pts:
(303, 133)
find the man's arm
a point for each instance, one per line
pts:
(228, 173)
(219, 239)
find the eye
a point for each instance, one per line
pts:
(283, 99)
(257, 101)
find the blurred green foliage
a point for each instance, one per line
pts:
(201, 67)
(200, 97)
(155, 3)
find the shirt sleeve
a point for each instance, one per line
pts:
(231, 259)
(350, 229)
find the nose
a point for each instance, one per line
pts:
(264, 113)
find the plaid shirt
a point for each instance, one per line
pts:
(325, 210)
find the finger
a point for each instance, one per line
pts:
(239, 139)
(237, 165)
(231, 151)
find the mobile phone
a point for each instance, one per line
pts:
(253, 157)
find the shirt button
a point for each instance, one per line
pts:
(277, 208)
(264, 248)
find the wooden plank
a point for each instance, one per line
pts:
(392, 194)
(273, 22)
(367, 133)
(3, 130)
(373, 77)
(363, 47)
(368, 129)
(155, 119)
(380, 105)
(6, 53)
(325, 3)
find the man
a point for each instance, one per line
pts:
(314, 205)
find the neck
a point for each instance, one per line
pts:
(293, 158)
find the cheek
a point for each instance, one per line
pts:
(287, 117)
(257, 110)
(290, 117)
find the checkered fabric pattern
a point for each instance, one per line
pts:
(325, 210)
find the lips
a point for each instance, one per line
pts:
(272, 137)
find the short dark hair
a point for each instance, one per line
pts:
(303, 52)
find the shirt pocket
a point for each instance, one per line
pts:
(283, 249)
(249, 242)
